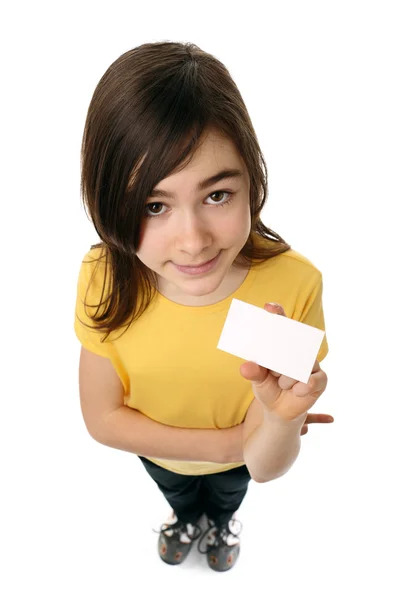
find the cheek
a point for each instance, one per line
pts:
(241, 224)
(151, 244)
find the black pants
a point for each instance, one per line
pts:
(218, 495)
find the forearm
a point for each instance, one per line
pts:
(129, 430)
(273, 447)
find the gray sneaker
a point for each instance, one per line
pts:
(176, 539)
(223, 544)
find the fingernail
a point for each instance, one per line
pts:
(273, 304)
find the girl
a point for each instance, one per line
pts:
(174, 182)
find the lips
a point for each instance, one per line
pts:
(200, 265)
(199, 269)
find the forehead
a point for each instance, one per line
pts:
(213, 144)
(215, 153)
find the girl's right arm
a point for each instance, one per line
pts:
(111, 423)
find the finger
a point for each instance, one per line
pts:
(275, 308)
(286, 383)
(315, 386)
(318, 418)
(304, 430)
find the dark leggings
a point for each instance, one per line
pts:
(218, 495)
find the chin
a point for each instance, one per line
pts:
(201, 288)
(201, 293)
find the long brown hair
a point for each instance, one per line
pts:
(145, 118)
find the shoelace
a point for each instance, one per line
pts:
(181, 527)
(221, 535)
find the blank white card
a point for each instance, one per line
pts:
(272, 341)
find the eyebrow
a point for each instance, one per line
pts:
(202, 185)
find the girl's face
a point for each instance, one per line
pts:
(188, 224)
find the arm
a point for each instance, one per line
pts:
(129, 430)
(271, 438)
(270, 444)
(113, 424)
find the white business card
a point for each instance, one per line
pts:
(272, 341)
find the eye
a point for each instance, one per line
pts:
(224, 202)
(220, 192)
(153, 204)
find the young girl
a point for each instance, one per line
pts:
(174, 182)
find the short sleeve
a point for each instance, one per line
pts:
(313, 314)
(90, 338)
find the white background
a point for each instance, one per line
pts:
(321, 83)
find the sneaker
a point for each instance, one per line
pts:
(176, 539)
(223, 544)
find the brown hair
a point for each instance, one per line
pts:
(145, 118)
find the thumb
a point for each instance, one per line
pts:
(253, 372)
(275, 308)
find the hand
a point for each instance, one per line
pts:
(281, 395)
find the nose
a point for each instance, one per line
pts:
(192, 236)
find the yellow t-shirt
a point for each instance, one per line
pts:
(168, 359)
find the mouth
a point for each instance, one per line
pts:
(196, 266)
(201, 268)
